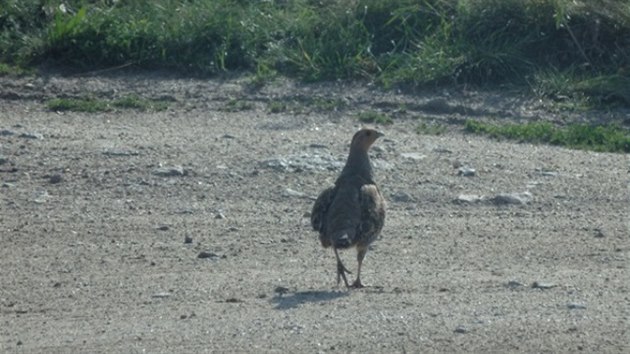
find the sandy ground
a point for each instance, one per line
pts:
(104, 216)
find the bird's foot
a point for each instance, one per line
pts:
(357, 284)
(341, 273)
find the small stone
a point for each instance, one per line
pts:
(54, 179)
(163, 228)
(233, 300)
(468, 199)
(461, 329)
(293, 193)
(466, 172)
(161, 295)
(599, 233)
(172, 171)
(576, 306)
(512, 198)
(401, 197)
(119, 153)
(3, 160)
(207, 254)
(188, 239)
(416, 156)
(543, 285)
(514, 284)
(318, 146)
(228, 136)
(6, 132)
(219, 216)
(281, 290)
(30, 135)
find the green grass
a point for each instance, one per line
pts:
(374, 118)
(605, 138)
(91, 105)
(430, 128)
(559, 48)
(236, 105)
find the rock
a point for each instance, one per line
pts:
(293, 193)
(188, 239)
(468, 199)
(208, 254)
(163, 228)
(416, 156)
(543, 285)
(161, 295)
(31, 135)
(120, 153)
(6, 132)
(40, 196)
(219, 216)
(599, 233)
(172, 171)
(3, 160)
(576, 306)
(281, 290)
(461, 329)
(318, 146)
(401, 197)
(54, 179)
(512, 198)
(466, 172)
(514, 284)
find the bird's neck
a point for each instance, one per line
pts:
(358, 163)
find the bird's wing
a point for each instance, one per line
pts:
(322, 204)
(372, 213)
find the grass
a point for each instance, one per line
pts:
(542, 44)
(236, 105)
(604, 138)
(92, 105)
(374, 118)
(430, 128)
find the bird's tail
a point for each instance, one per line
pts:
(343, 241)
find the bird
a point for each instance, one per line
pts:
(352, 212)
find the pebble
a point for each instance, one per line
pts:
(120, 153)
(219, 216)
(543, 285)
(188, 239)
(576, 306)
(293, 193)
(416, 156)
(207, 254)
(6, 132)
(54, 179)
(401, 197)
(31, 135)
(468, 199)
(466, 172)
(514, 284)
(171, 171)
(512, 198)
(161, 295)
(599, 233)
(3, 160)
(163, 228)
(461, 329)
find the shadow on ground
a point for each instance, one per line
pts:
(284, 301)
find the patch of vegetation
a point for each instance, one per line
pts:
(91, 105)
(560, 48)
(277, 107)
(236, 105)
(14, 70)
(374, 118)
(430, 128)
(605, 138)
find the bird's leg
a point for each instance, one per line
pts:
(341, 270)
(360, 255)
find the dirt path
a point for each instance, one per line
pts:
(103, 217)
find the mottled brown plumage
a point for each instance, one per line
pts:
(352, 212)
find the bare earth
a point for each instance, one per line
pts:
(95, 212)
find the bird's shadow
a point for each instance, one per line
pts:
(285, 301)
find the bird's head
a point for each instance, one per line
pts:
(364, 138)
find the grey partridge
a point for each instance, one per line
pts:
(352, 212)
